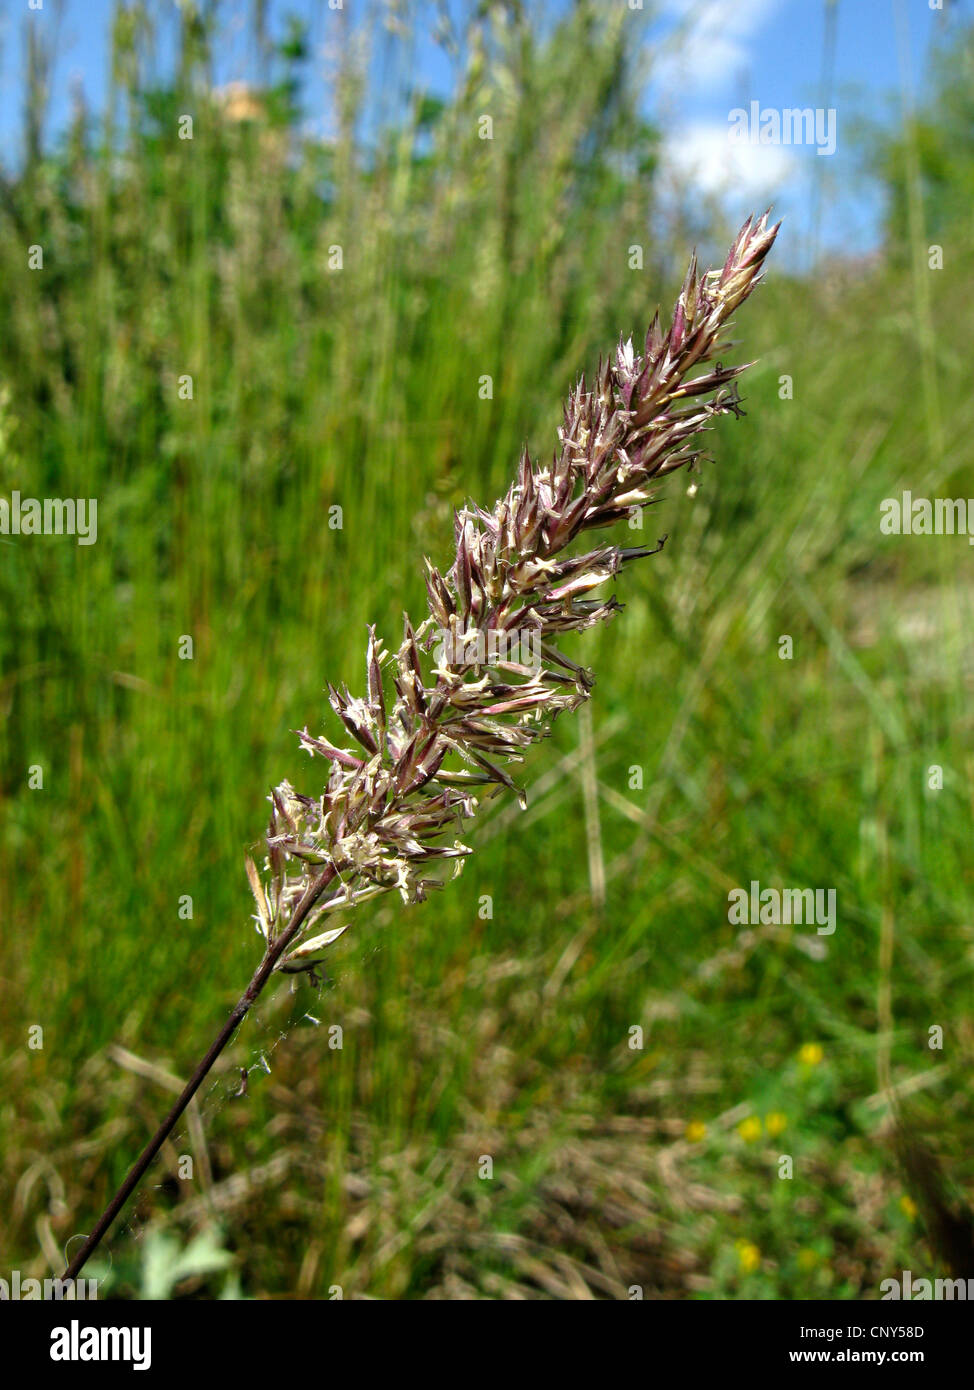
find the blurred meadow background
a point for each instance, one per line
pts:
(337, 259)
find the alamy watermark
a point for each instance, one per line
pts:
(923, 516)
(50, 516)
(920, 1290)
(793, 125)
(477, 647)
(17, 1289)
(77, 1343)
(757, 906)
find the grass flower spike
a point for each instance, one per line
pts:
(390, 805)
(482, 677)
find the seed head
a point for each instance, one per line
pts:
(392, 804)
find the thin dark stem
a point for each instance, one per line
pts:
(261, 975)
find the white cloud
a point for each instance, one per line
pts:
(702, 153)
(717, 41)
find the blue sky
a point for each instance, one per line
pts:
(739, 51)
(775, 52)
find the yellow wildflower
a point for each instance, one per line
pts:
(750, 1129)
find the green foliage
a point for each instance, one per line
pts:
(161, 1267)
(934, 155)
(467, 1034)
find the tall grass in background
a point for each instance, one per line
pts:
(361, 388)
